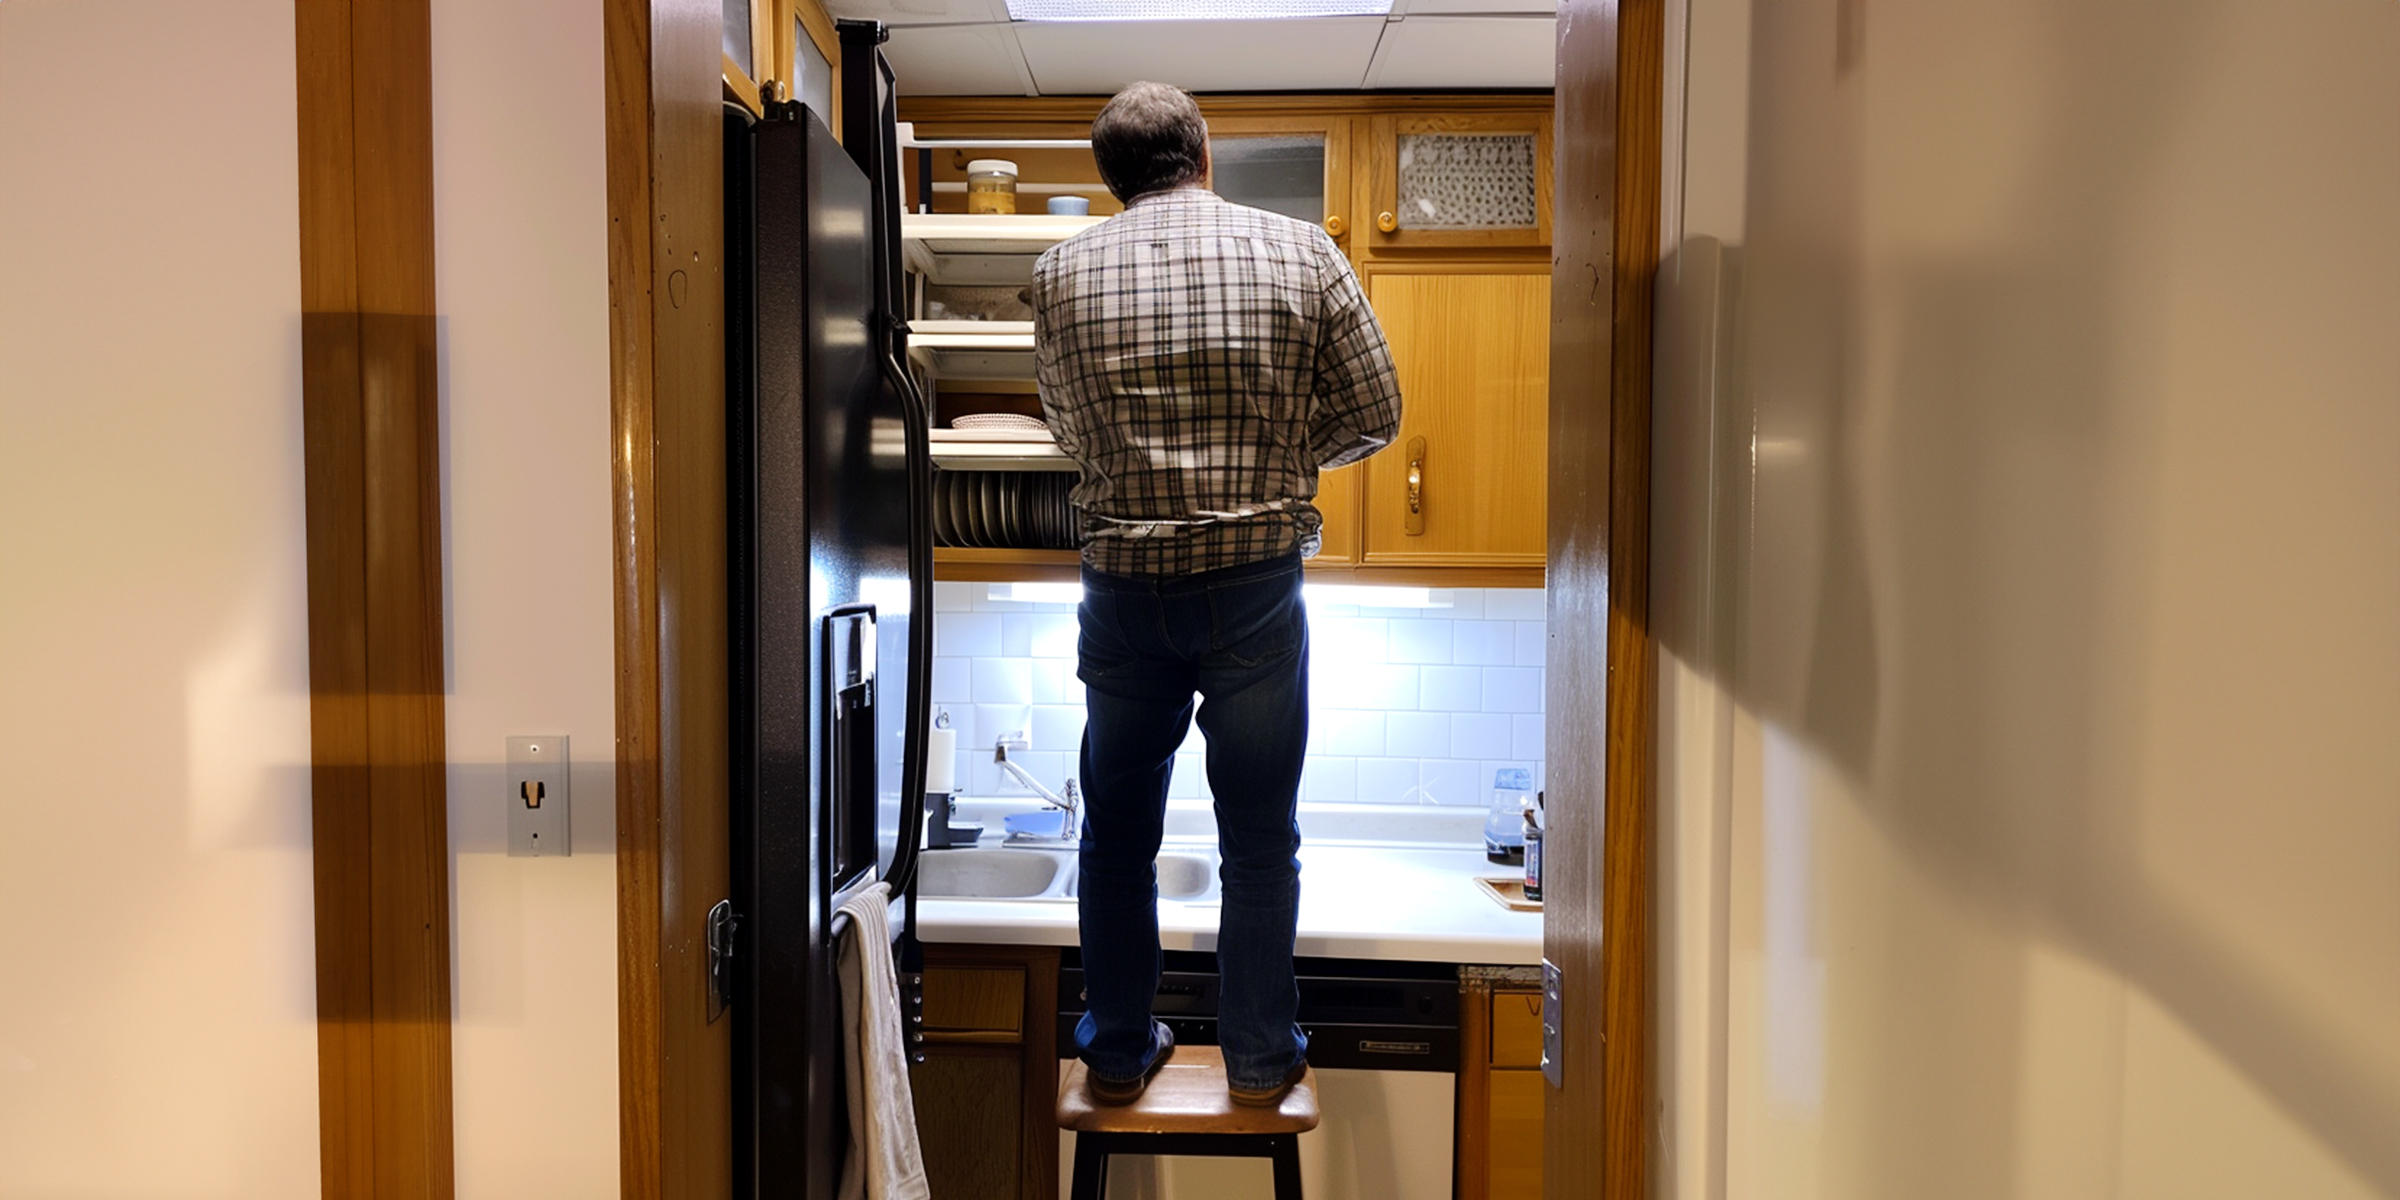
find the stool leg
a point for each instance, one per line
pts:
(1091, 1167)
(1287, 1166)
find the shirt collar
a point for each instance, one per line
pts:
(1173, 195)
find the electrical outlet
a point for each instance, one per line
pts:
(540, 823)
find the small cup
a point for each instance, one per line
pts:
(1070, 206)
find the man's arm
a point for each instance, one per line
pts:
(1051, 376)
(1357, 408)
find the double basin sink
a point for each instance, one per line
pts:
(1014, 873)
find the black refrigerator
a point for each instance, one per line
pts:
(831, 557)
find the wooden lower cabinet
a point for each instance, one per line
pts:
(988, 1087)
(1500, 1085)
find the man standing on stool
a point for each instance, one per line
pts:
(1200, 361)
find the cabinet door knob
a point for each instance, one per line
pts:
(1334, 226)
(1415, 523)
(1387, 222)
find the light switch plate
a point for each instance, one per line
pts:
(1554, 1066)
(540, 823)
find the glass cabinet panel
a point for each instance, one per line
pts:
(1467, 181)
(736, 38)
(1282, 173)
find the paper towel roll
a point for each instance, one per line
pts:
(941, 760)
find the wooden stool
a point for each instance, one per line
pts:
(1185, 1110)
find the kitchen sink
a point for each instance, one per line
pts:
(1186, 876)
(1008, 873)
(998, 873)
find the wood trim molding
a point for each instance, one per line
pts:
(1603, 665)
(663, 75)
(1011, 111)
(370, 415)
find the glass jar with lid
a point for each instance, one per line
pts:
(991, 186)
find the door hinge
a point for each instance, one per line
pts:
(723, 922)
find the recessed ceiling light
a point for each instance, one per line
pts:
(1191, 10)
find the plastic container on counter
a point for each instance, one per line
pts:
(1504, 823)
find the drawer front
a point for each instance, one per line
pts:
(1516, 1029)
(974, 1004)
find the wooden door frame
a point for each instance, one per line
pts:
(1603, 672)
(664, 89)
(378, 786)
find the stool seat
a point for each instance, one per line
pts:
(1186, 1096)
(1185, 1111)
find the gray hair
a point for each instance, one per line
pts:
(1150, 137)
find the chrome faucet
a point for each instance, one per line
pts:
(1071, 803)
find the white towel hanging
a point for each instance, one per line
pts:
(884, 1161)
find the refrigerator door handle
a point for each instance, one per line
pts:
(911, 834)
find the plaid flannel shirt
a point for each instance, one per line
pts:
(1201, 361)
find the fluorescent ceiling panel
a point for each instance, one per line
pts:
(1099, 57)
(1477, 8)
(1191, 10)
(957, 60)
(922, 12)
(1467, 52)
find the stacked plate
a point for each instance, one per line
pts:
(1022, 510)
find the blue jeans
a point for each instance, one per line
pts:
(1238, 638)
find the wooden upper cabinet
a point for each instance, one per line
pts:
(1466, 482)
(1297, 166)
(1457, 181)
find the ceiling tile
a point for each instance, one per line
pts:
(1440, 8)
(957, 60)
(926, 12)
(1099, 57)
(1466, 52)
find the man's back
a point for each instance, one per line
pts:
(1202, 360)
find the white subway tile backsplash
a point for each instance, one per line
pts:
(1057, 727)
(995, 721)
(1038, 635)
(967, 635)
(1054, 682)
(950, 680)
(1352, 732)
(1387, 687)
(1452, 689)
(1188, 779)
(1419, 734)
(1329, 779)
(1483, 643)
(1533, 644)
(1512, 690)
(1516, 604)
(1001, 680)
(1348, 639)
(1408, 705)
(1387, 781)
(1421, 641)
(1525, 740)
(1479, 735)
(1452, 781)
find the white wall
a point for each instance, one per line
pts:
(2028, 555)
(521, 224)
(157, 986)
